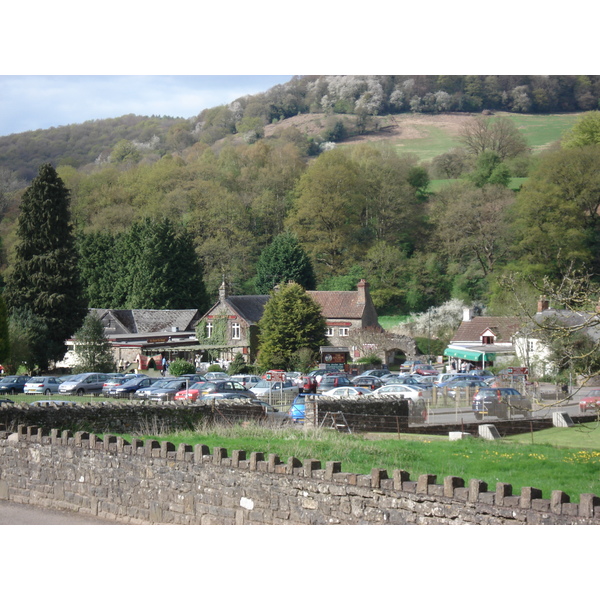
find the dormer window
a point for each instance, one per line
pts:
(488, 337)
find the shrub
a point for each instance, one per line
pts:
(181, 367)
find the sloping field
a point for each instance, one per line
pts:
(428, 136)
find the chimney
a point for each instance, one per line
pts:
(467, 314)
(362, 286)
(543, 304)
(222, 292)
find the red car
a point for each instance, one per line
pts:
(425, 370)
(591, 401)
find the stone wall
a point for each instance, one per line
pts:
(151, 482)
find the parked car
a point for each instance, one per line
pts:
(113, 382)
(167, 392)
(376, 373)
(332, 381)
(130, 386)
(366, 381)
(83, 383)
(410, 365)
(451, 387)
(42, 385)
(53, 402)
(444, 378)
(144, 393)
(214, 375)
(408, 391)
(297, 411)
(347, 392)
(307, 385)
(193, 377)
(199, 390)
(319, 373)
(13, 384)
(264, 387)
(247, 381)
(500, 402)
(591, 401)
(403, 380)
(425, 370)
(271, 413)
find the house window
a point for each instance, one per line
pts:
(329, 332)
(236, 332)
(344, 331)
(209, 328)
(530, 345)
(487, 339)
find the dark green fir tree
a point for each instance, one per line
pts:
(45, 279)
(282, 261)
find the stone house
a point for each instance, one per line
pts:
(231, 325)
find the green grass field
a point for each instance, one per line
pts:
(548, 462)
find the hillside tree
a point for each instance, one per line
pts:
(45, 277)
(284, 260)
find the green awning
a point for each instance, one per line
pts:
(474, 355)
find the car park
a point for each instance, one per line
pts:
(591, 401)
(500, 402)
(42, 385)
(83, 383)
(13, 384)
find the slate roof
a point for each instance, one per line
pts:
(124, 321)
(250, 308)
(503, 327)
(572, 319)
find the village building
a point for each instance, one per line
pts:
(231, 325)
(483, 341)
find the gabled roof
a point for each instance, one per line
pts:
(588, 322)
(471, 331)
(339, 305)
(249, 308)
(121, 321)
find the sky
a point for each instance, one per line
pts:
(62, 63)
(30, 102)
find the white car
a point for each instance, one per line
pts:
(264, 387)
(395, 389)
(347, 392)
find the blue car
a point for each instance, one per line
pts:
(297, 411)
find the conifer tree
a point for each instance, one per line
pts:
(45, 278)
(284, 260)
(292, 320)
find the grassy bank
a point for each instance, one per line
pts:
(574, 470)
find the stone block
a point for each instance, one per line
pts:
(488, 432)
(561, 419)
(457, 435)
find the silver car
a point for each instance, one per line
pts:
(83, 383)
(42, 385)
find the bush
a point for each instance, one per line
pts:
(181, 367)
(214, 368)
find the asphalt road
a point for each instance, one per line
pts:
(12, 513)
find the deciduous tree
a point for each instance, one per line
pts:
(92, 348)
